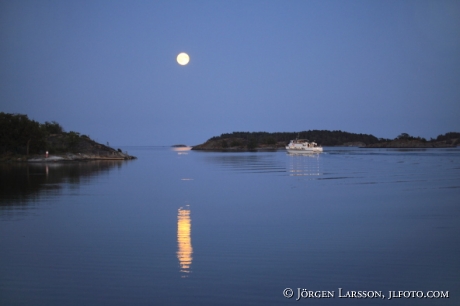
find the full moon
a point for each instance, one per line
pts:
(183, 58)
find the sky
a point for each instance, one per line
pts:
(108, 69)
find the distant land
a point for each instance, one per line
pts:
(23, 139)
(243, 141)
(179, 146)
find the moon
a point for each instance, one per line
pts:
(183, 58)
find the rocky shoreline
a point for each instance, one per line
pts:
(78, 157)
(80, 148)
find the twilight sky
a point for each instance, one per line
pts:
(108, 68)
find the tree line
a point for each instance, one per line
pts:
(322, 137)
(21, 135)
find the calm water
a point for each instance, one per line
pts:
(200, 228)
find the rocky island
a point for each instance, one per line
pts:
(259, 141)
(23, 139)
(75, 147)
(243, 141)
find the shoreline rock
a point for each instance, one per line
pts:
(82, 149)
(78, 157)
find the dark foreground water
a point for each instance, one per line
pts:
(197, 228)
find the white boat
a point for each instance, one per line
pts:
(303, 146)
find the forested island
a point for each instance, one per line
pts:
(243, 141)
(23, 139)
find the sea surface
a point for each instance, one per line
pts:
(178, 227)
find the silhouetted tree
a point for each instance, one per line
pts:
(52, 127)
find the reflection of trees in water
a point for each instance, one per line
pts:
(244, 162)
(22, 183)
(297, 164)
